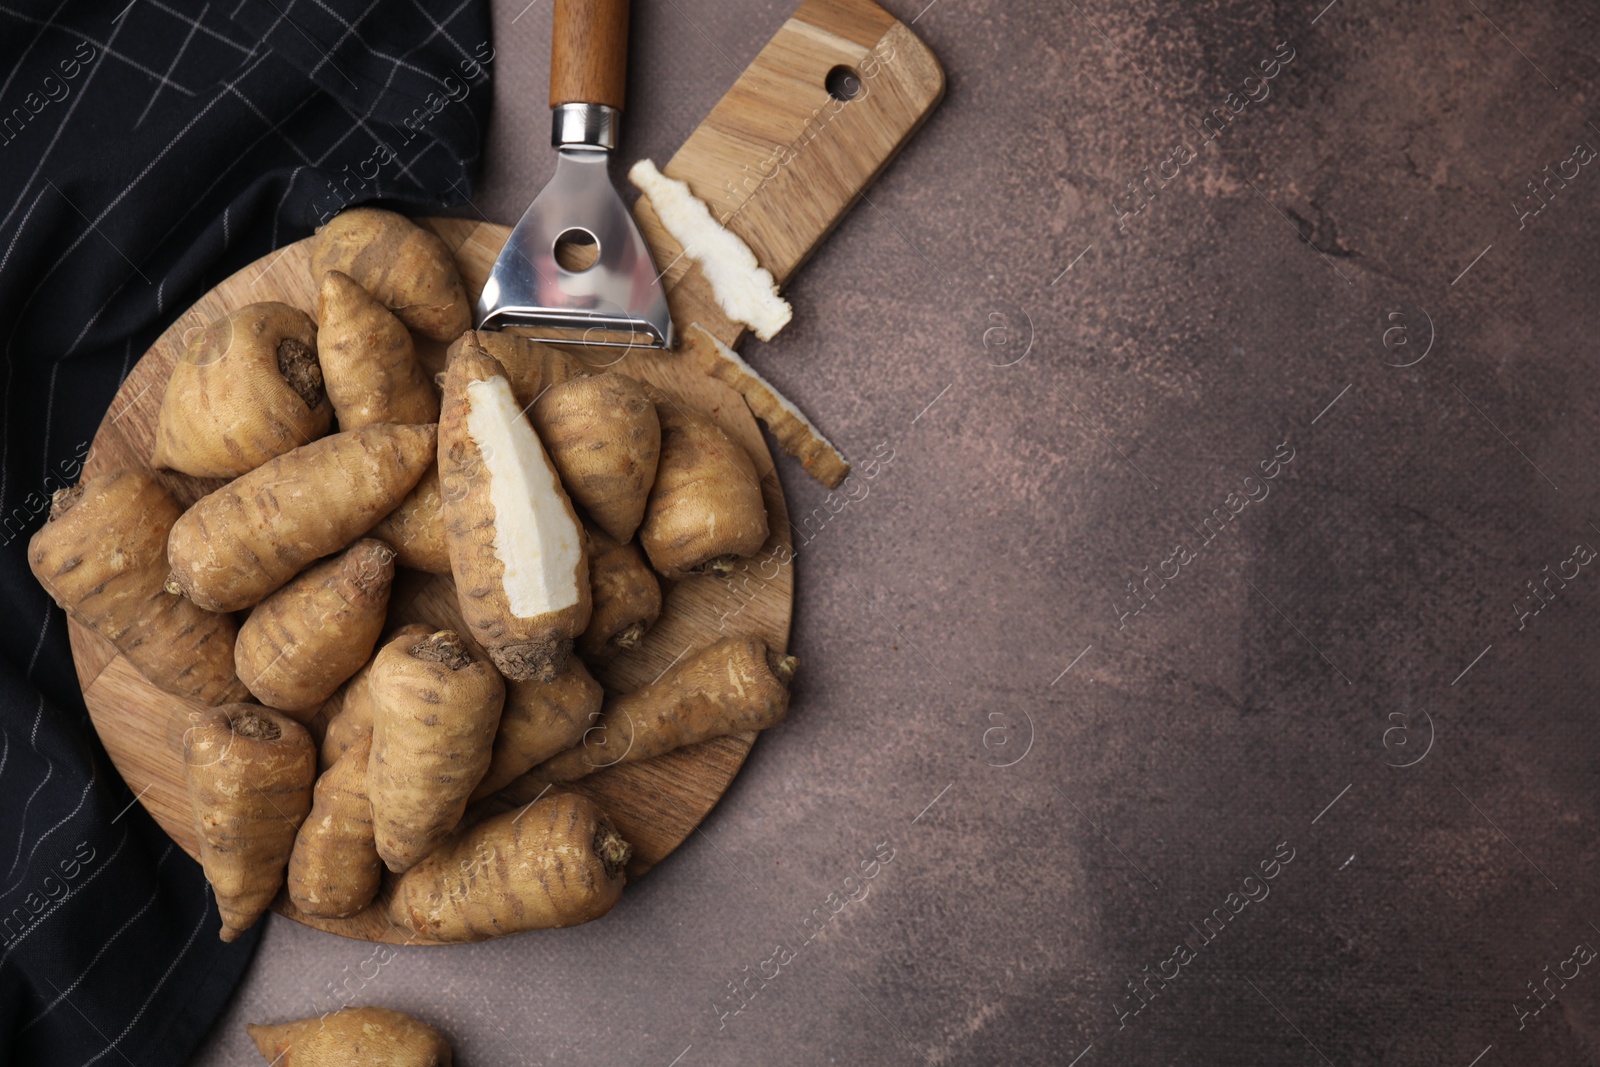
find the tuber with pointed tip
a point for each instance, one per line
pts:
(352, 1037)
(540, 719)
(435, 709)
(406, 267)
(604, 438)
(369, 364)
(516, 549)
(334, 870)
(249, 772)
(415, 529)
(728, 687)
(556, 862)
(102, 556)
(258, 531)
(303, 641)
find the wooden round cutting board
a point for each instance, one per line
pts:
(655, 804)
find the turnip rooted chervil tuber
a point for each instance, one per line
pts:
(247, 387)
(352, 1037)
(249, 771)
(516, 549)
(258, 531)
(556, 862)
(435, 708)
(728, 687)
(103, 557)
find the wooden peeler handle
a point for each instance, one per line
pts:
(589, 52)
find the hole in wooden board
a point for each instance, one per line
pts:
(843, 83)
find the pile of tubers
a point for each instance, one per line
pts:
(331, 754)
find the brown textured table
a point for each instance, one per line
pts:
(1084, 386)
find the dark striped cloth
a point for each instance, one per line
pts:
(147, 150)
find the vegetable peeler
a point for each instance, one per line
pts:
(576, 269)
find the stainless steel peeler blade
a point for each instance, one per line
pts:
(617, 299)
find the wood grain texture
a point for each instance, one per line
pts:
(655, 806)
(810, 162)
(589, 52)
(779, 161)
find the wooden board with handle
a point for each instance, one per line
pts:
(655, 804)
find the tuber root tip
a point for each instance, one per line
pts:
(533, 661)
(443, 647)
(62, 500)
(172, 585)
(256, 726)
(629, 636)
(299, 367)
(613, 850)
(370, 560)
(783, 667)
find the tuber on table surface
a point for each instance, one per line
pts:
(556, 862)
(727, 687)
(249, 772)
(407, 268)
(255, 533)
(369, 365)
(102, 556)
(516, 549)
(435, 709)
(246, 388)
(303, 641)
(352, 1037)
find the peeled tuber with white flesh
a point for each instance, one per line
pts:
(516, 547)
(743, 288)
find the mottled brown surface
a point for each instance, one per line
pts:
(938, 609)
